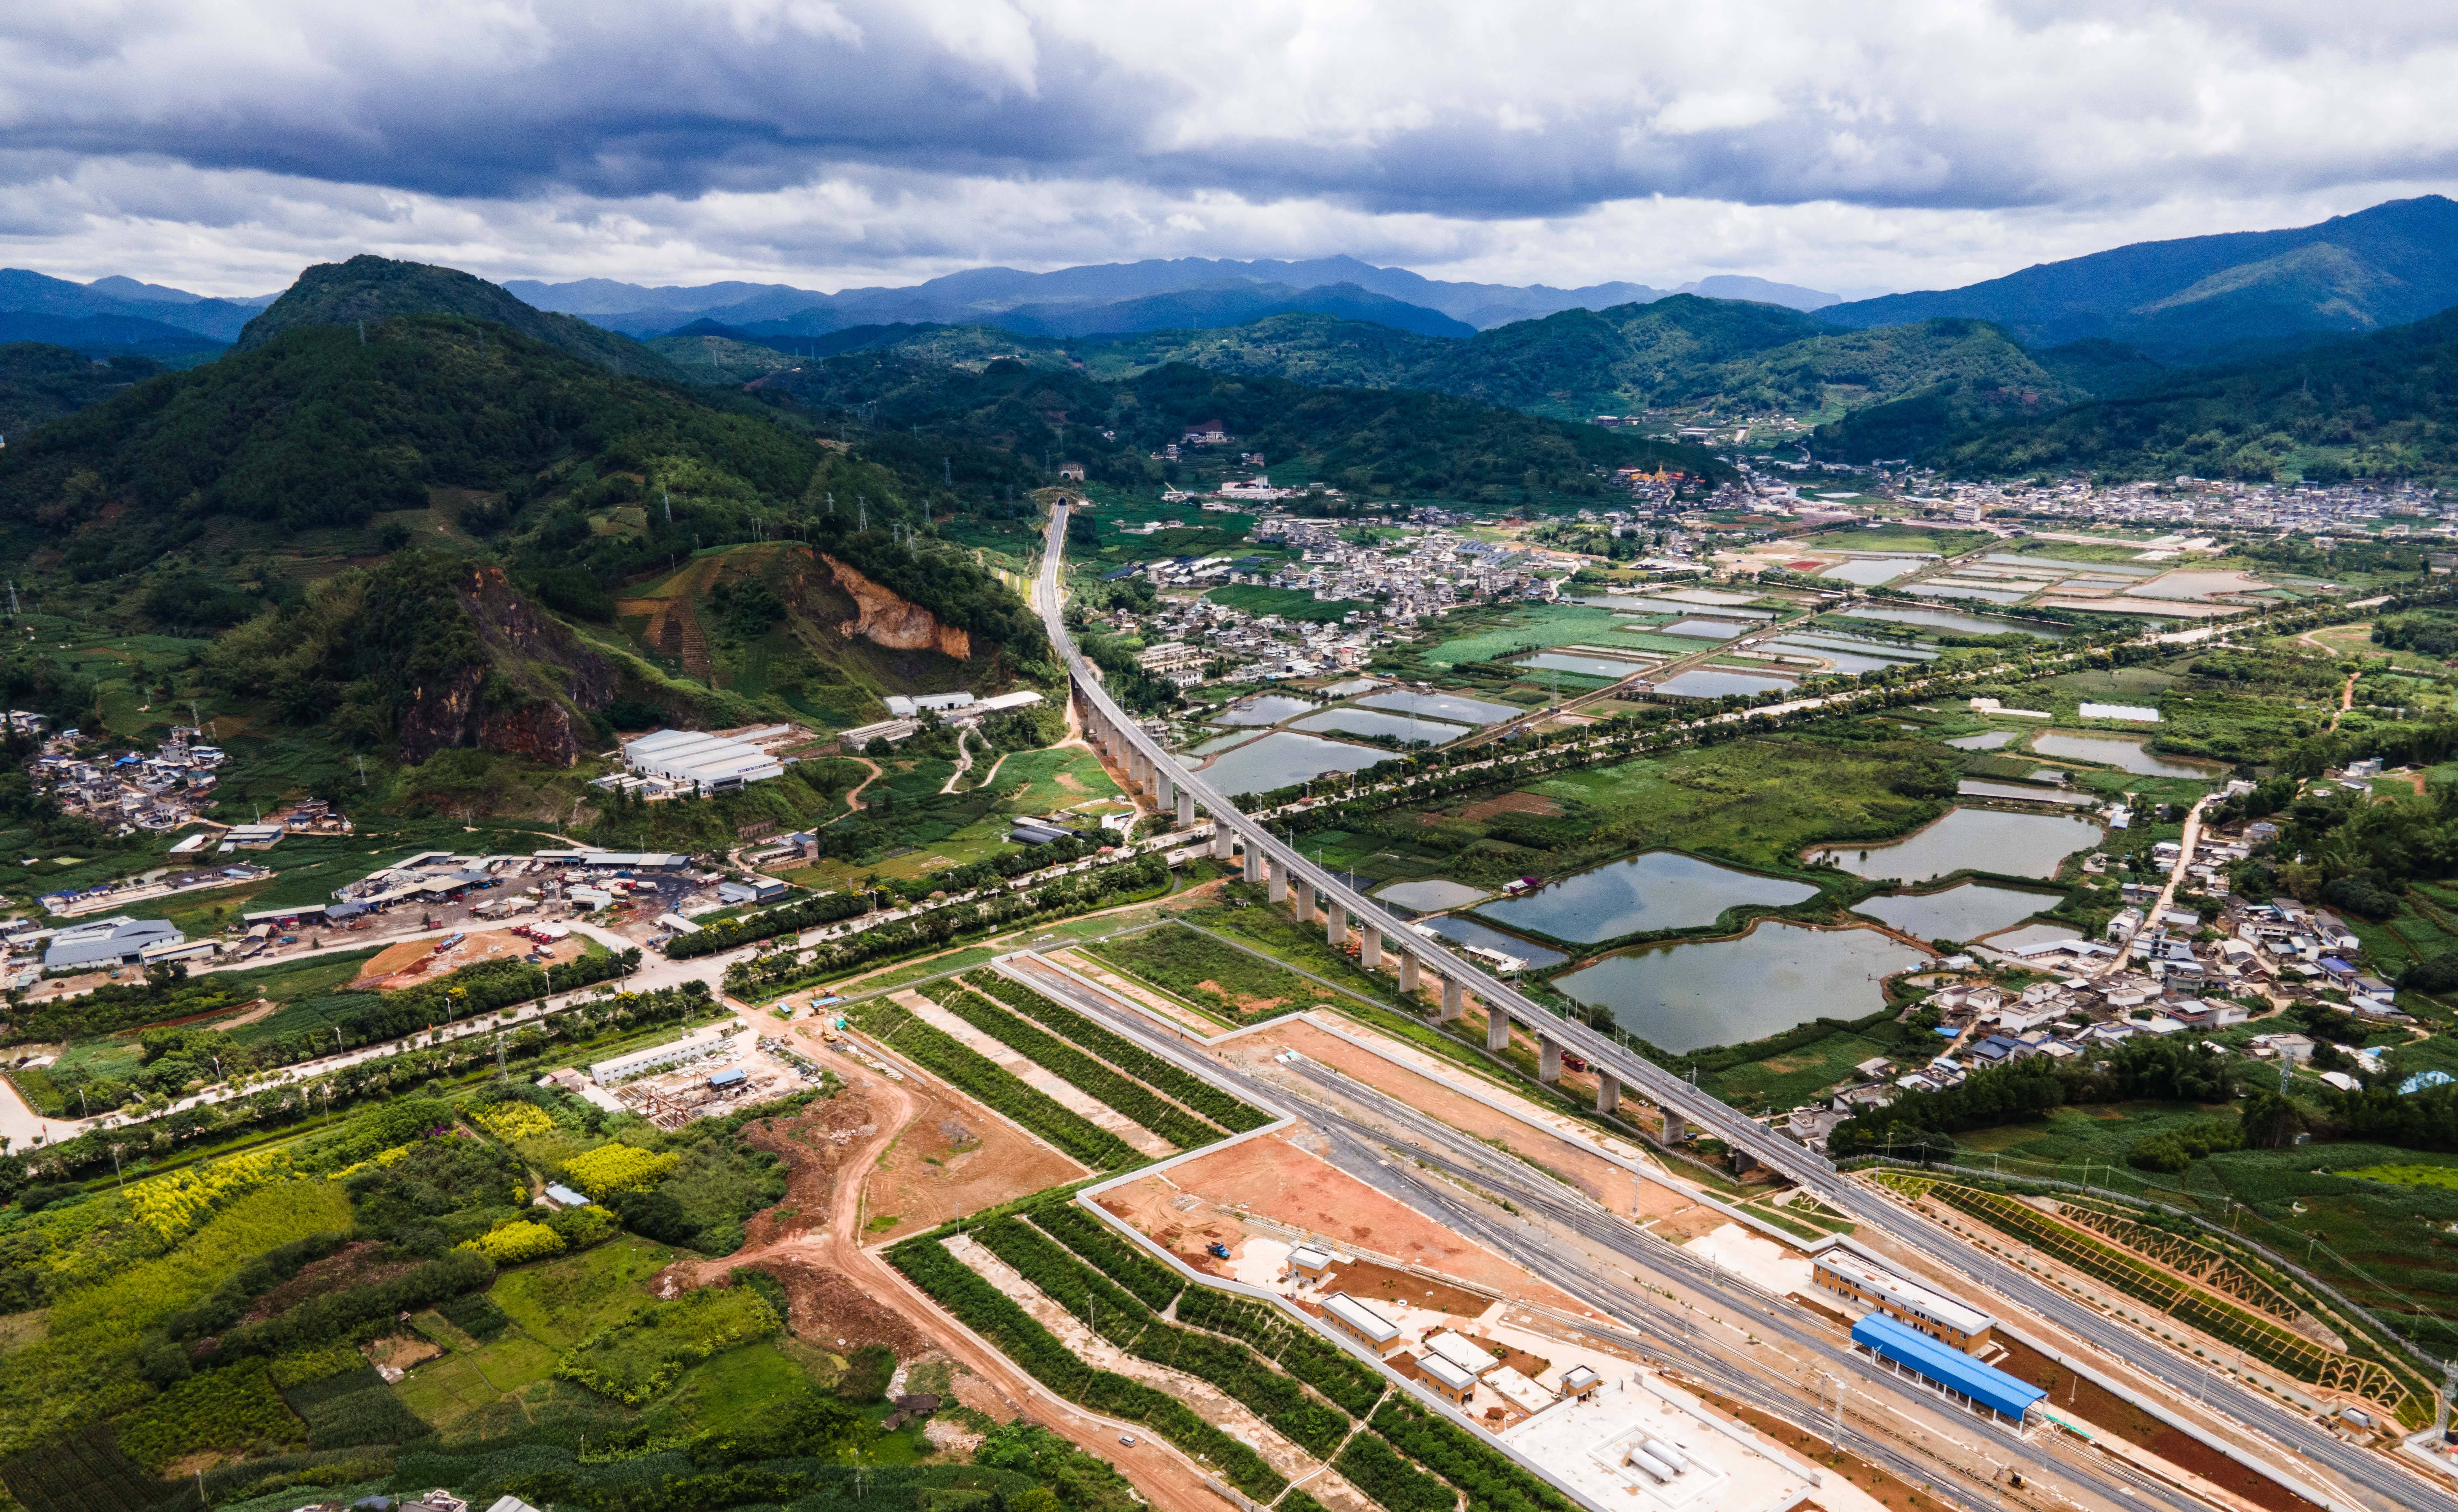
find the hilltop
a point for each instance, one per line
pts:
(372, 288)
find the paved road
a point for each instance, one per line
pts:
(2167, 894)
(2384, 1481)
(1891, 1422)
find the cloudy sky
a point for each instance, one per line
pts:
(1856, 145)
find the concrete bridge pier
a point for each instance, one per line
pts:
(1164, 792)
(1305, 900)
(1185, 809)
(1675, 1129)
(1548, 1058)
(1451, 1007)
(1254, 862)
(1369, 947)
(1335, 924)
(1408, 974)
(1608, 1091)
(1224, 844)
(1497, 1032)
(1278, 888)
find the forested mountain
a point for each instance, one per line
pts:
(1372, 442)
(2383, 404)
(40, 383)
(2193, 298)
(1684, 350)
(371, 289)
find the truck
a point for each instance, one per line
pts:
(1218, 1251)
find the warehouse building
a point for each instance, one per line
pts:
(696, 759)
(1957, 1376)
(1873, 1286)
(116, 942)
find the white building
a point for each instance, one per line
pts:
(696, 758)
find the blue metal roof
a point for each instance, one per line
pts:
(1947, 1365)
(727, 1078)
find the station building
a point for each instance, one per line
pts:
(1873, 1286)
(1953, 1373)
(1361, 1323)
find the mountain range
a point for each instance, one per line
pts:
(1118, 299)
(2204, 298)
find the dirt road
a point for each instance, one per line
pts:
(815, 1238)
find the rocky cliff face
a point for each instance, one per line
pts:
(520, 700)
(888, 620)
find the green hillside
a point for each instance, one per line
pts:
(2379, 405)
(40, 383)
(370, 288)
(2197, 298)
(1374, 442)
(1678, 353)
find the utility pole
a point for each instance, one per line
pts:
(362, 771)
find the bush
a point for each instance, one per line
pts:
(352, 1408)
(2171, 1152)
(1370, 1466)
(517, 1243)
(228, 1410)
(512, 1121)
(609, 1169)
(1489, 1480)
(1152, 1283)
(476, 1315)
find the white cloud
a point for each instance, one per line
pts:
(221, 143)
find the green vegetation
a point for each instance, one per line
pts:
(2375, 405)
(39, 383)
(2441, 1176)
(1372, 444)
(632, 1360)
(1198, 969)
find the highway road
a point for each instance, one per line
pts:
(2376, 1479)
(1886, 1420)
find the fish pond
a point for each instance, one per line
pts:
(1684, 997)
(1985, 740)
(1974, 839)
(1429, 894)
(1964, 911)
(1706, 682)
(2126, 753)
(1374, 721)
(1284, 756)
(1952, 623)
(1869, 572)
(1461, 930)
(1584, 665)
(1269, 708)
(1443, 706)
(1654, 890)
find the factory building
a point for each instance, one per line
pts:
(696, 759)
(116, 942)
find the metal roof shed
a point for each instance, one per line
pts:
(1983, 1385)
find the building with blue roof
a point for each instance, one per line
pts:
(1982, 1388)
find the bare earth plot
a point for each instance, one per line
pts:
(1274, 1179)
